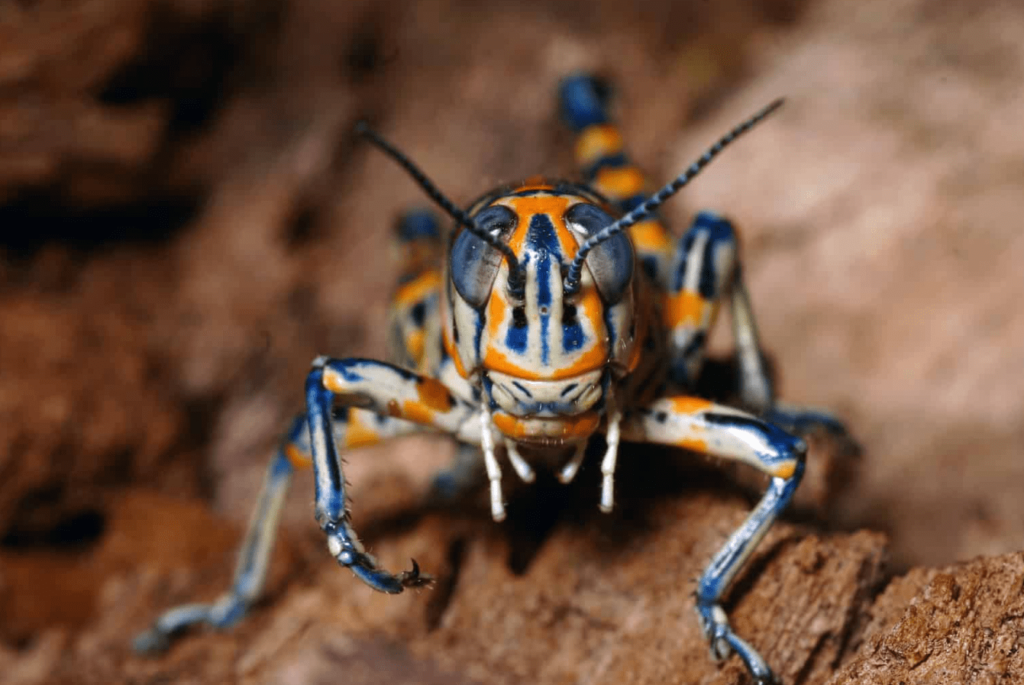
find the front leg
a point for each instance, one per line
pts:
(389, 391)
(702, 426)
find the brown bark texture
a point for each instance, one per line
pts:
(186, 220)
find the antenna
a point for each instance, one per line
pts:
(515, 278)
(571, 284)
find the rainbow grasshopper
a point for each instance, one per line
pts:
(559, 311)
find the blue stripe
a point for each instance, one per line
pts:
(516, 338)
(616, 161)
(572, 337)
(542, 239)
(580, 102)
(631, 203)
(544, 300)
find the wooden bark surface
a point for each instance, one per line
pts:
(185, 222)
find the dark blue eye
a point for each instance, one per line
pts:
(473, 264)
(611, 263)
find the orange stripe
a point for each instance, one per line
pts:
(416, 290)
(450, 348)
(597, 141)
(686, 308)
(554, 206)
(619, 182)
(785, 470)
(650, 235)
(417, 412)
(497, 309)
(570, 428)
(298, 458)
(594, 358)
(334, 382)
(694, 444)
(689, 405)
(434, 394)
(414, 344)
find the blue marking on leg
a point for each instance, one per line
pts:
(581, 102)
(728, 561)
(331, 510)
(719, 231)
(723, 567)
(328, 482)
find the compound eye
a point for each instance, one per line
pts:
(611, 263)
(473, 264)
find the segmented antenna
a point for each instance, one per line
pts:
(516, 282)
(571, 285)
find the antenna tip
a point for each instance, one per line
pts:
(362, 128)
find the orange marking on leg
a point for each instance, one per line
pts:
(693, 444)
(298, 458)
(417, 412)
(619, 182)
(650, 236)
(419, 288)
(357, 434)
(434, 394)
(685, 309)
(689, 405)
(415, 343)
(785, 470)
(597, 141)
(334, 382)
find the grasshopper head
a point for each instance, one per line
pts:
(542, 354)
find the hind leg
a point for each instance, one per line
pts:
(253, 556)
(352, 428)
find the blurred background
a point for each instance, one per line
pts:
(186, 220)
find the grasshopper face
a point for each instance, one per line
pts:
(543, 360)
